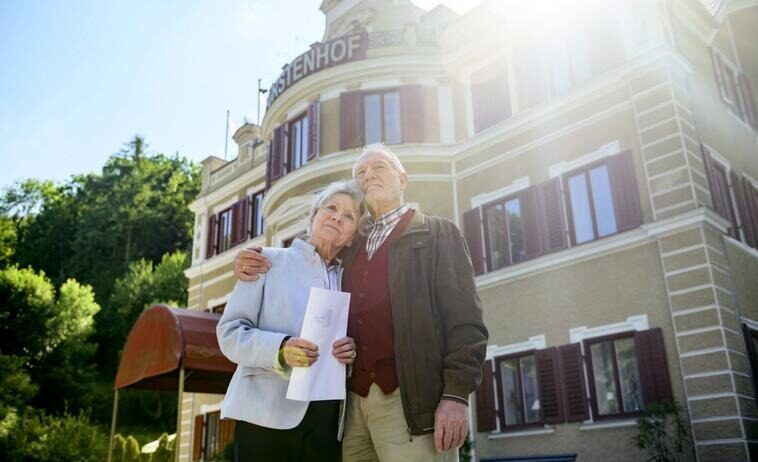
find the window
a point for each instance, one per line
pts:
(735, 89)
(225, 219)
(602, 199)
(518, 394)
(592, 204)
(516, 228)
(490, 96)
(719, 185)
(298, 143)
(256, 225)
(504, 233)
(391, 115)
(211, 435)
(751, 342)
(381, 117)
(615, 379)
(293, 144)
(624, 371)
(218, 309)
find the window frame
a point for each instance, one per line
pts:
(585, 170)
(225, 222)
(485, 222)
(590, 375)
(304, 147)
(256, 215)
(381, 93)
(501, 398)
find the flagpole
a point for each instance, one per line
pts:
(259, 103)
(226, 139)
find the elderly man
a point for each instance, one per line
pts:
(416, 319)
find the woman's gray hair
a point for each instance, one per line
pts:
(348, 188)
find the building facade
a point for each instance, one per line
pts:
(602, 162)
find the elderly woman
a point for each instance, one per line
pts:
(259, 332)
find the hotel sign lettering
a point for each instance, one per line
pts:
(321, 56)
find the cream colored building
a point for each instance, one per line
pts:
(602, 161)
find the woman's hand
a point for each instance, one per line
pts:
(344, 350)
(299, 352)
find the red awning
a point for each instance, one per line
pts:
(164, 338)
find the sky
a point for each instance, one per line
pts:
(80, 78)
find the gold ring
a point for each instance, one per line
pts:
(244, 267)
(355, 353)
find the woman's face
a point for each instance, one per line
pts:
(336, 221)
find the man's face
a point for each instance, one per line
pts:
(381, 184)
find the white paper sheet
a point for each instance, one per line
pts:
(325, 321)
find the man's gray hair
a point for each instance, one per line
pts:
(380, 147)
(348, 188)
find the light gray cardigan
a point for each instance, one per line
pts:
(256, 319)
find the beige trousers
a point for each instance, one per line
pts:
(376, 431)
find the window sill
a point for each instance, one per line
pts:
(516, 434)
(630, 422)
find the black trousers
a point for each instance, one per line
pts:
(314, 440)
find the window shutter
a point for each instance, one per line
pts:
(276, 155)
(717, 180)
(314, 114)
(742, 208)
(197, 438)
(210, 243)
(720, 77)
(572, 379)
(751, 201)
(485, 400)
(351, 120)
(225, 433)
(239, 221)
(626, 197)
(549, 385)
(552, 225)
(472, 230)
(528, 200)
(654, 371)
(747, 95)
(412, 113)
(751, 355)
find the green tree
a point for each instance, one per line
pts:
(48, 334)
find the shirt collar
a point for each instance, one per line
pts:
(305, 247)
(391, 217)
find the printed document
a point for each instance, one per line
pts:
(325, 321)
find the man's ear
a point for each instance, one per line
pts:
(403, 181)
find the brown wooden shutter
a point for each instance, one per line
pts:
(276, 154)
(210, 243)
(549, 385)
(742, 208)
(717, 180)
(572, 380)
(472, 230)
(197, 437)
(747, 93)
(412, 113)
(239, 221)
(751, 355)
(751, 200)
(225, 433)
(654, 370)
(351, 120)
(626, 197)
(530, 222)
(485, 400)
(314, 114)
(552, 223)
(718, 69)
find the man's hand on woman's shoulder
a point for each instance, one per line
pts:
(250, 263)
